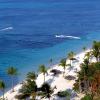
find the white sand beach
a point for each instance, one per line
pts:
(59, 81)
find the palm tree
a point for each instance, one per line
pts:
(63, 64)
(46, 91)
(31, 75)
(95, 54)
(89, 75)
(2, 87)
(85, 73)
(50, 61)
(33, 95)
(12, 72)
(42, 69)
(28, 89)
(71, 56)
(96, 50)
(84, 48)
(77, 85)
(88, 55)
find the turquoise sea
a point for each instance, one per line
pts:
(34, 31)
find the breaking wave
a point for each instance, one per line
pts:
(67, 36)
(7, 28)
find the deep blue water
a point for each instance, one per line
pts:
(28, 29)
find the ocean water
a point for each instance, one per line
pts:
(34, 31)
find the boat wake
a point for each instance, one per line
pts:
(67, 36)
(8, 28)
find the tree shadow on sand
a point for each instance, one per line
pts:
(68, 94)
(54, 73)
(70, 68)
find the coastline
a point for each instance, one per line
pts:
(33, 58)
(34, 32)
(56, 82)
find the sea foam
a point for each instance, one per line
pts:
(67, 36)
(7, 28)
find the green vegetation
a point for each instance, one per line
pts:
(12, 72)
(31, 76)
(63, 64)
(96, 50)
(71, 56)
(42, 69)
(29, 87)
(84, 48)
(50, 61)
(87, 97)
(2, 87)
(46, 91)
(89, 76)
(65, 93)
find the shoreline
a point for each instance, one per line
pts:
(10, 95)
